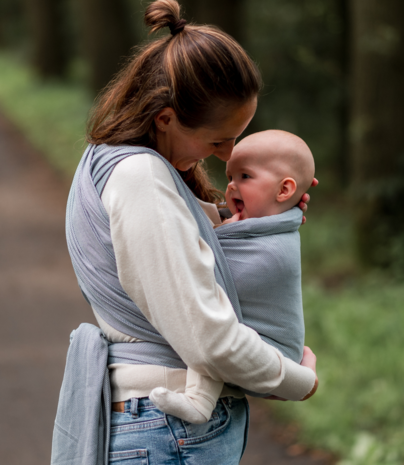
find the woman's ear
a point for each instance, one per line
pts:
(164, 118)
(287, 189)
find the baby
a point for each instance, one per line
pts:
(268, 173)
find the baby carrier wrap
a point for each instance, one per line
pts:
(263, 255)
(81, 432)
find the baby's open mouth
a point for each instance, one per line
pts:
(239, 205)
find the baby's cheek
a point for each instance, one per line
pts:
(230, 203)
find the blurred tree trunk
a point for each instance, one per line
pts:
(377, 127)
(229, 15)
(106, 37)
(344, 59)
(12, 23)
(45, 22)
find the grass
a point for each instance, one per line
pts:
(356, 334)
(51, 115)
(354, 325)
(353, 321)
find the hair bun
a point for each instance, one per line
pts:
(164, 13)
(177, 27)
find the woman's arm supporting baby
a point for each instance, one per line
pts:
(268, 174)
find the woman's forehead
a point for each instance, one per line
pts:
(234, 124)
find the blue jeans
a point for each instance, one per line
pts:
(143, 435)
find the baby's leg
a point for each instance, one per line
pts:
(196, 404)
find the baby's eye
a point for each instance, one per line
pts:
(245, 176)
(216, 144)
(229, 178)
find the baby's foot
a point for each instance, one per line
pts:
(177, 405)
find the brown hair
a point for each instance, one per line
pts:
(199, 71)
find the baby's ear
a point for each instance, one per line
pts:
(287, 188)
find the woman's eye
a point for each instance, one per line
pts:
(245, 176)
(216, 144)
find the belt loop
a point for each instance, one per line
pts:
(133, 407)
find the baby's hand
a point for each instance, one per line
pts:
(233, 219)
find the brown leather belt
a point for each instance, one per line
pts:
(118, 406)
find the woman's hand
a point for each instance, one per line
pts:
(306, 199)
(309, 360)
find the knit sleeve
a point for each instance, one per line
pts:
(167, 269)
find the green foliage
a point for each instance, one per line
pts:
(52, 116)
(354, 325)
(328, 242)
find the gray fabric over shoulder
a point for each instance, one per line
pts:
(91, 250)
(90, 246)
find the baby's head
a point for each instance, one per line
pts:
(268, 173)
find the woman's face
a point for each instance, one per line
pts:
(183, 147)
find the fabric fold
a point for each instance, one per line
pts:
(81, 432)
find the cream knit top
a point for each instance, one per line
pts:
(167, 269)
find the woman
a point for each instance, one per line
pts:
(143, 250)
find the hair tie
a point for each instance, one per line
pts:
(177, 27)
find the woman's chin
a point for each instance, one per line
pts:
(185, 165)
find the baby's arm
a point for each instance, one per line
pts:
(196, 404)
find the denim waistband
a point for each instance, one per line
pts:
(138, 403)
(135, 404)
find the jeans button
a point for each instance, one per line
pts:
(181, 442)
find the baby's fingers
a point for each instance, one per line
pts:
(233, 219)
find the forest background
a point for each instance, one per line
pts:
(334, 75)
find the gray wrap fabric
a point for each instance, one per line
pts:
(81, 432)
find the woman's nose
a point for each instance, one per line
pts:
(224, 153)
(224, 156)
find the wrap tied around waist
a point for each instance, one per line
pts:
(90, 246)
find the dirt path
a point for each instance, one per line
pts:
(40, 304)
